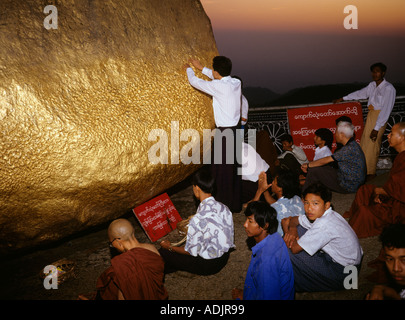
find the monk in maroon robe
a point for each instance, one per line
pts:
(374, 207)
(135, 274)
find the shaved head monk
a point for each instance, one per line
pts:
(375, 207)
(136, 273)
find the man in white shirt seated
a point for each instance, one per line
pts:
(210, 235)
(381, 99)
(226, 101)
(321, 242)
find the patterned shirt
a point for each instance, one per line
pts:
(210, 231)
(352, 166)
(288, 208)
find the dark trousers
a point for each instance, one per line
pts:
(180, 262)
(290, 163)
(225, 172)
(327, 175)
(316, 273)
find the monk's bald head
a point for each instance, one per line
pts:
(121, 228)
(401, 128)
(396, 138)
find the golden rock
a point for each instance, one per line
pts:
(77, 104)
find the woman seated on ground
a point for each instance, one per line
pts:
(286, 195)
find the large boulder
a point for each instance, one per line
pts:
(77, 105)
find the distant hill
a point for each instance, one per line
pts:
(262, 97)
(259, 97)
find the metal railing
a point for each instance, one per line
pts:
(275, 121)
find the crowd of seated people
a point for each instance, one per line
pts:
(300, 243)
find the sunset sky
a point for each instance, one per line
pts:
(284, 44)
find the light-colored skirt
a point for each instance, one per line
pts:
(371, 148)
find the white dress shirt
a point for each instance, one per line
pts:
(244, 110)
(226, 95)
(252, 163)
(381, 98)
(332, 234)
(322, 153)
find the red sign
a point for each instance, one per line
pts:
(158, 217)
(305, 121)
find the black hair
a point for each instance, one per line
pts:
(222, 65)
(326, 135)
(204, 179)
(380, 65)
(289, 182)
(343, 118)
(320, 190)
(393, 236)
(263, 214)
(286, 137)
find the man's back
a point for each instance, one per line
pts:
(352, 166)
(211, 230)
(226, 94)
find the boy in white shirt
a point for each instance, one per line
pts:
(323, 140)
(293, 157)
(321, 243)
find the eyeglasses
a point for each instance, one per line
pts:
(110, 243)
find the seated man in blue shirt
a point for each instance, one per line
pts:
(350, 159)
(270, 273)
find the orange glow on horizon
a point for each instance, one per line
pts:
(305, 15)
